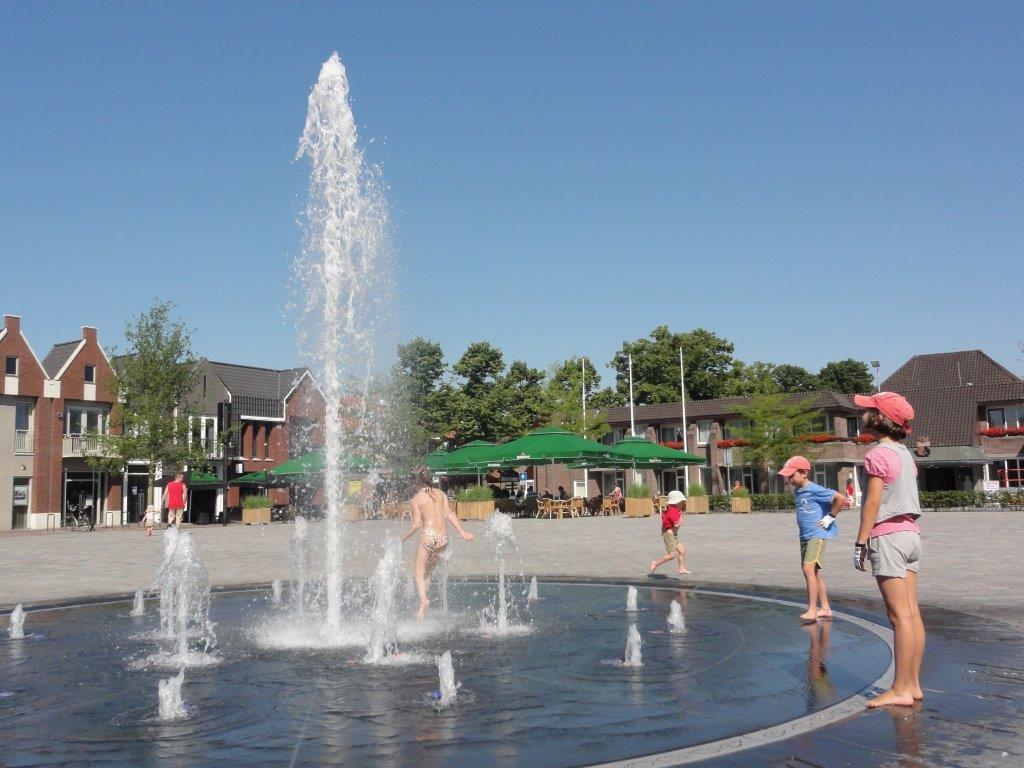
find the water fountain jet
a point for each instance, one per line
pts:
(17, 627)
(139, 605)
(676, 621)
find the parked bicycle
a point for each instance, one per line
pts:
(75, 520)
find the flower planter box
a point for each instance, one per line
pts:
(740, 504)
(256, 515)
(698, 505)
(639, 507)
(475, 510)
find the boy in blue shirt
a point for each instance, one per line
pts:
(816, 511)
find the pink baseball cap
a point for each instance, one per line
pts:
(793, 464)
(889, 404)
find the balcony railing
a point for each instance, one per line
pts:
(23, 441)
(78, 445)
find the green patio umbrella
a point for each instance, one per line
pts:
(466, 457)
(313, 464)
(641, 453)
(547, 445)
(253, 478)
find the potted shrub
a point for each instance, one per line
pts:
(697, 501)
(639, 501)
(256, 510)
(476, 502)
(739, 500)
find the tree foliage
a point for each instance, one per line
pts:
(563, 398)
(776, 426)
(153, 380)
(707, 360)
(847, 376)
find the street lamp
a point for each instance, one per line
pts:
(875, 364)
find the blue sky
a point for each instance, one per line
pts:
(811, 181)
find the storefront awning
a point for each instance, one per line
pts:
(946, 455)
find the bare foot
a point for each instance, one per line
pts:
(917, 693)
(825, 614)
(891, 698)
(424, 604)
(654, 566)
(809, 615)
(683, 570)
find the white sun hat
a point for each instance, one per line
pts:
(676, 497)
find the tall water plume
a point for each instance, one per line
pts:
(344, 273)
(184, 588)
(300, 563)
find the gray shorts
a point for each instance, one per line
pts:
(894, 554)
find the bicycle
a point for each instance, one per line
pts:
(75, 521)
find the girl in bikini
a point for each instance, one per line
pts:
(430, 516)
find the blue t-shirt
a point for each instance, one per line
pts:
(813, 502)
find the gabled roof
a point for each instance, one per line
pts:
(58, 356)
(258, 391)
(720, 407)
(948, 369)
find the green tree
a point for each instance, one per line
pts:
(563, 398)
(707, 359)
(794, 378)
(417, 391)
(776, 426)
(475, 404)
(847, 376)
(518, 398)
(153, 381)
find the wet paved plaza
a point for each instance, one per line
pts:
(971, 593)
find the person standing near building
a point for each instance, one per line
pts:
(890, 537)
(176, 491)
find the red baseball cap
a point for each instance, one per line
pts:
(793, 464)
(889, 404)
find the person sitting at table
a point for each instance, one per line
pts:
(562, 495)
(616, 492)
(546, 494)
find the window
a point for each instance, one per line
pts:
(209, 432)
(703, 432)
(1006, 416)
(23, 416)
(254, 431)
(19, 503)
(734, 428)
(11, 366)
(852, 426)
(90, 374)
(83, 419)
(266, 440)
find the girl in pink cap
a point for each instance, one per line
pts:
(890, 538)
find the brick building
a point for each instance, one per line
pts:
(47, 412)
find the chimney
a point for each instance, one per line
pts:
(89, 333)
(12, 323)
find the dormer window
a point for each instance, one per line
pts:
(90, 374)
(11, 366)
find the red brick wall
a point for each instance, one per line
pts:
(30, 372)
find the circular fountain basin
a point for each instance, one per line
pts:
(552, 692)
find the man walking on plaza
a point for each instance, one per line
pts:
(176, 499)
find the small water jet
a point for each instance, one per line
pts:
(17, 627)
(499, 532)
(275, 588)
(139, 606)
(631, 599)
(633, 657)
(169, 692)
(385, 584)
(184, 588)
(676, 620)
(447, 687)
(532, 594)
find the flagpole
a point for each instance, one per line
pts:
(586, 472)
(682, 401)
(632, 421)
